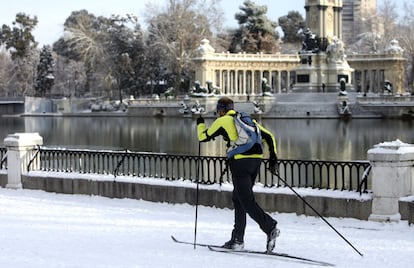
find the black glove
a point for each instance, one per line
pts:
(200, 120)
(273, 167)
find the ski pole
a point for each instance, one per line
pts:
(197, 191)
(314, 210)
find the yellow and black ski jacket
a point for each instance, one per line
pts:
(226, 127)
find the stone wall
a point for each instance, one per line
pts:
(208, 196)
(271, 202)
(3, 178)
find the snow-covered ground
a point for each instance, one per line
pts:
(39, 229)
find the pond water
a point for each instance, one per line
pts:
(304, 139)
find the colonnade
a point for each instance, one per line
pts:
(242, 73)
(369, 80)
(371, 70)
(249, 82)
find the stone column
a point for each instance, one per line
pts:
(288, 81)
(339, 9)
(19, 152)
(371, 82)
(279, 82)
(392, 178)
(230, 80)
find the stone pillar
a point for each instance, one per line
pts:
(253, 89)
(371, 82)
(19, 152)
(279, 82)
(392, 178)
(288, 81)
(340, 35)
(228, 80)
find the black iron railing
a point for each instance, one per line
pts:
(337, 175)
(3, 157)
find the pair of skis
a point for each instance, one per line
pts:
(217, 248)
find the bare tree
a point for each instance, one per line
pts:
(375, 33)
(177, 30)
(82, 42)
(111, 50)
(70, 77)
(5, 75)
(388, 19)
(406, 38)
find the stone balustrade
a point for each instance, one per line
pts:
(392, 185)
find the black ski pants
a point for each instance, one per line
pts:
(244, 173)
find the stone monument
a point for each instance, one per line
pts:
(322, 56)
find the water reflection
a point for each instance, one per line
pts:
(307, 139)
(331, 139)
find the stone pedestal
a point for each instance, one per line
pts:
(20, 147)
(392, 167)
(317, 74)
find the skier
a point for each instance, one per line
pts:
(244, 167)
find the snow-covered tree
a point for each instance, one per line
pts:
(111, 50)
(124, 46)
(291, 25)
(256, 32)
(20, 43)
(175, 32)
(45, 75)
(19, 39)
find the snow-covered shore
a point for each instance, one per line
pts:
(41, 229)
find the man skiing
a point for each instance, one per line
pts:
(244, 167)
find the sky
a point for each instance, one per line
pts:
(42, 230)
(52, 14)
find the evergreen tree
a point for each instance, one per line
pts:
(19, 38)
(124, 49)
(45, 75)
(21, 44)
(256, 32)
(291, 25)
